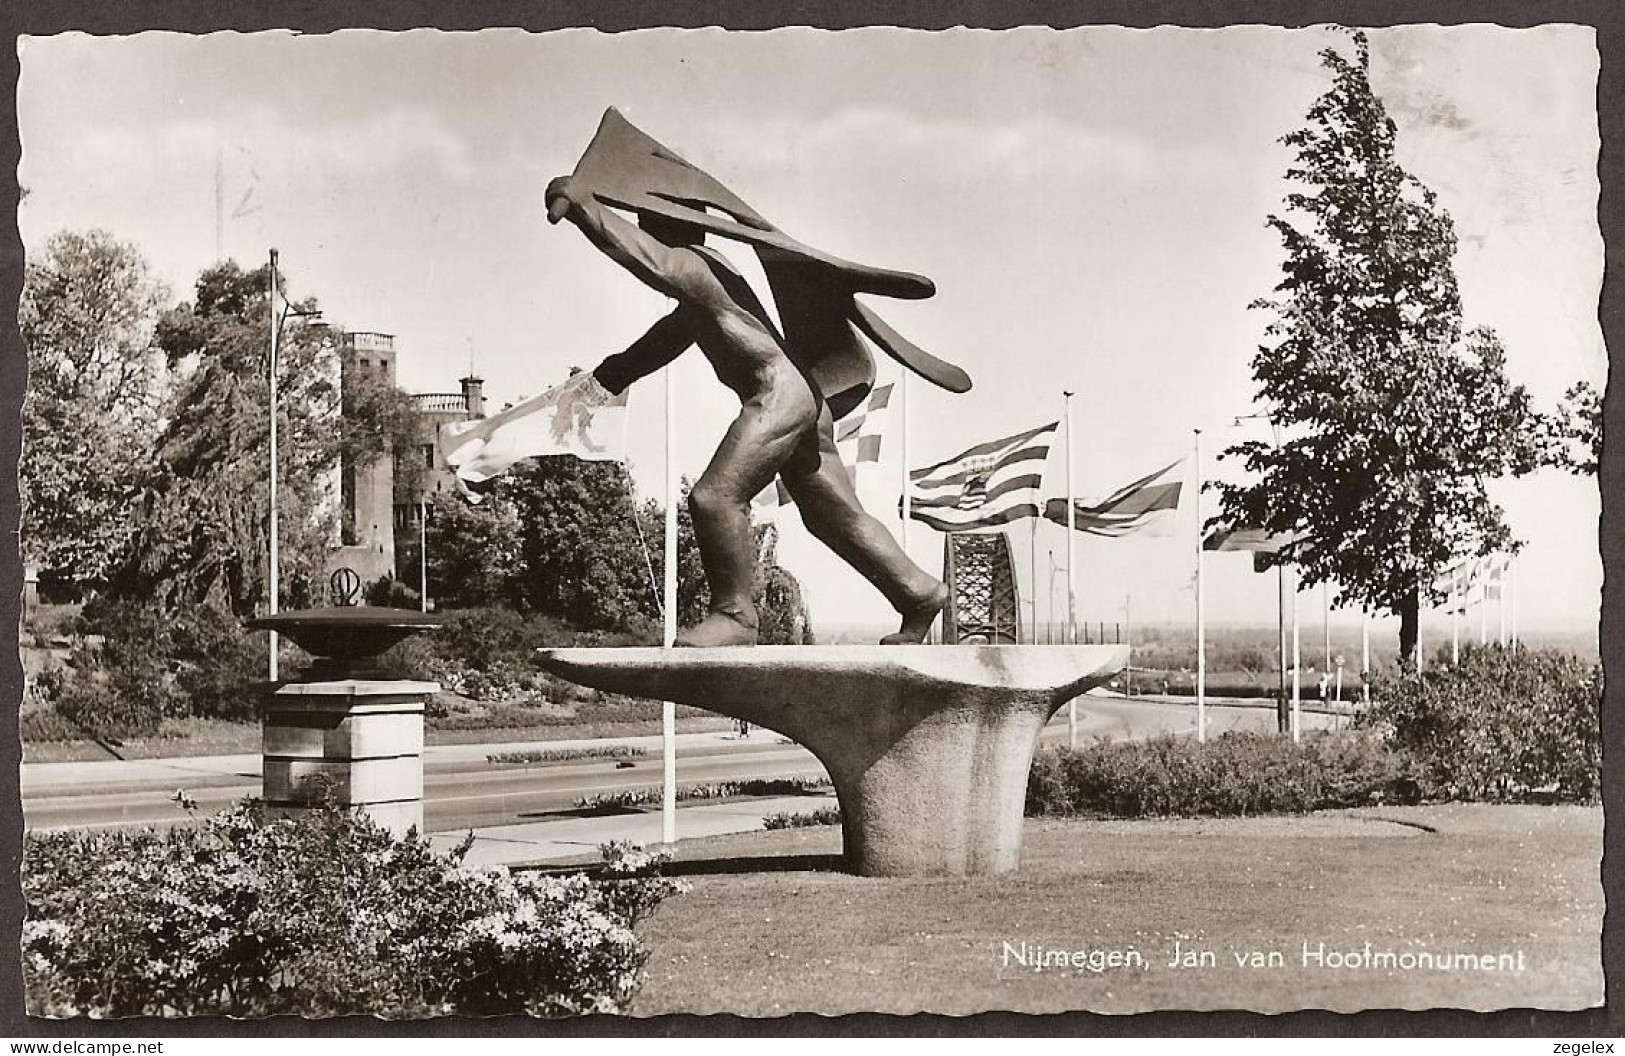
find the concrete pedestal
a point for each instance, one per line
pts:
(928, 746)
(348, 741)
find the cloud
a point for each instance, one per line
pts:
(277, 146)
(1031, 146)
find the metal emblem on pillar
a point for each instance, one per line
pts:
(979, 571)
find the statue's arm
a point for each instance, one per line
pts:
(664, 342)
(673, 272)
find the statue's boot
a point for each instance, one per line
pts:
(917, 619)
(719, 628)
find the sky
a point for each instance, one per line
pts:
(1090, 203)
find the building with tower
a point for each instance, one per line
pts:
(373, 508)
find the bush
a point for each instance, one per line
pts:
(1503, 725)
(322, 915)
(43, 725)
(785, 820)
(135, 666)
(628, 798)
(559, 755)
(1234, 774)
(390, 593)
(489, 654)
(45, 623)
(127, 694)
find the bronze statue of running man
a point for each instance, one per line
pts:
(791, 386)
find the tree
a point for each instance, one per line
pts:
(781, 604)
(564, 538)
(1392, 420)
(96, 383)
(203, 517)
(584, 561)
(474, 553)
(1574, 434)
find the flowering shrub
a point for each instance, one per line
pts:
(324, 914)
(556, 755)
(654, 794)
(1501, 725)
(789, 820)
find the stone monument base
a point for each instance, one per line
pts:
(351, 741)
(928, 746)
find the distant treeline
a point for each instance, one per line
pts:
(1255, 647)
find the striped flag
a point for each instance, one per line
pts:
(1457, 582)
(857, 438)
(987, 486)
(1481, 576)
(579, 417)
(1256, 540)
(1133, 507)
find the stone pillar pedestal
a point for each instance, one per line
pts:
(928, 746)
(348, 741)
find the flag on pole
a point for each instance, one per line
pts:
(1146, 502)
(1256, 540)
(1475, 580)
(1456, 581)
(986, 486)
(857, 438)
(579, 417)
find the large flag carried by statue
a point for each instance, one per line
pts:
(987, 486)
(1146, 503)
(577, 418)
(624, 168)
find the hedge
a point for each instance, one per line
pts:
(1237, 773)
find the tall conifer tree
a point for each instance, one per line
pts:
(1391, 420)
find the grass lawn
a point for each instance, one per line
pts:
(770, 927)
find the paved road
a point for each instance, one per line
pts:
(463, 791)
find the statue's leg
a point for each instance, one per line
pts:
(829, 507)
(769, 428)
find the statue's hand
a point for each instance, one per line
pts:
(583, 389)
(559, 198)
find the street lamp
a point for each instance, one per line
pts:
(277, 321)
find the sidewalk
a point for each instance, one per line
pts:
(567, 838)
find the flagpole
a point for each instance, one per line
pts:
(1483, 605)
(1283, 718)
(271, 374)
(1456, 605)
(1071, 530)
(1128, 640)
(1296, 703)
(1365, 656)
(1326, 624)
(1512, 584)
(1501, 609)
(902, 454)
(423, 555)
(1201, 622)
(1032, 567)
(668, 710)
